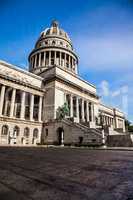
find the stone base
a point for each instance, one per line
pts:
(92, 124)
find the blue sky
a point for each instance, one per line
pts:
(101, 31)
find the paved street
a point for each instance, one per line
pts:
(65, 174)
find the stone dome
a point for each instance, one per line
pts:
(53, 48)
(56, 31)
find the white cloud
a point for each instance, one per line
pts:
(116, 93)
(104, 53)
(104, 88)
(117, 97)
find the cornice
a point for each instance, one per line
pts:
(59, 78)
(50, 47)
(20, 83)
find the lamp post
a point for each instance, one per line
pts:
(103, 132)
(62, 138)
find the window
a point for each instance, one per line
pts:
(35, 133)
(53, 42)
(46, 42)
(46, 132)
(52, 61)
(4, 130)
(61, 43)
(16, 131)
(94, 140)
(80, 140)
(26, 132)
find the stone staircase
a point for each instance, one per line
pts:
(89, 136)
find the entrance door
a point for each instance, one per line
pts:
(60, 132)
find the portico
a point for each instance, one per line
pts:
(10, 107)
(80, 108)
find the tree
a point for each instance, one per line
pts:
(128, 126)
(62, 111)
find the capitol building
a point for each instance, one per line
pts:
(30, 100)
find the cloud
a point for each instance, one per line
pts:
(121, 91)
(104, 88)
(105, 37)
(118, 96)
(106, 52)
(116, 93)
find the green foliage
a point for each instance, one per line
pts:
(130, 128)
(128, 125)
(62, 111)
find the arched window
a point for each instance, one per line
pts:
(61, 43)
(16, 131)
(35, 133)
(26, 132)
(46, 42)
(4, 130)
(53, 42)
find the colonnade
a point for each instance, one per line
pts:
(50, 58)
(80, 108)
(107, 120)
(10, 110)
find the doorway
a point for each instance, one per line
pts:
(60, 135)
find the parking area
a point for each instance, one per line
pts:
(65, 174)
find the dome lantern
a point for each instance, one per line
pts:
(55, 23)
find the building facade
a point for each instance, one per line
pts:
(29, 101)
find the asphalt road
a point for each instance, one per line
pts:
(65, 174)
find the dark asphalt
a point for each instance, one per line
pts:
(65, 174)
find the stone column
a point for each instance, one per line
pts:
(6, 106)
(69, 62)
(65, 60)
(124, 129)
(72, 63)
(35, 61)
(55, 57)
(105, 120)
(2, 95)
(12, 102)
(83, 114)
(77, 107)
(22, 113)
(44, 59)
(65, 98)
(92, 112)
(31, 107)
(108, 120)
(87, 110)
(76, 67)
(60, 58)
(40, 109)
(39, 59)
(71, 105)
(49, 58)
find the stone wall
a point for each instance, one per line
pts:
(119, 140)
(72, 134)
